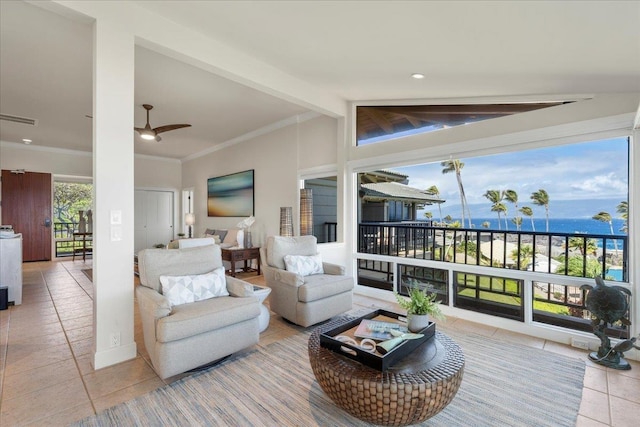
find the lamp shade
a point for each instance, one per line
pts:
(189, 219)
(286, 222)
(306, 212)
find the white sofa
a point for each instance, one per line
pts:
(182, 337)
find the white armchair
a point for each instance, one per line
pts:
(182, 337)
(304, 299)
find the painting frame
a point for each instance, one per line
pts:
(231, 195)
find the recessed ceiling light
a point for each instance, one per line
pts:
(26, 141)
(417, 75)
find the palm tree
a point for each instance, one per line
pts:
(500, 207)
(512, 197)
(495, 197)
(456, 166)
(623, 210)
(605, 217)
(486, 224)
(526, 255)
(428, 215)
(527, 211)
(433, 191)
(517, 221)
(541, 198)
(584, 245)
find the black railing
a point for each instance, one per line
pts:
(555, 253)
(560, 254)
(63, 238)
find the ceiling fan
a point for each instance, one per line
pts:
(152, 134)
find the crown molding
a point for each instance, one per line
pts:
(300, 118)
(18, 146)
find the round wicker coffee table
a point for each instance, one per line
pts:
(414, 389)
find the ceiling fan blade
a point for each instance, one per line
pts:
(167, 128)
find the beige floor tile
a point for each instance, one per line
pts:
(595, 379)
(624, 413)
(80, 333)
(65, 417)
(38, 359)
(21, 332)
(78, 322)
(127, 393)
(595, 405)
(43, 403)
(73, 302)
(75, 313)
(625, 387)
(634, 372)
(26, 382)
(118, 377)
(22, 346)
(85, 364)
(583, 421)
(82, 347)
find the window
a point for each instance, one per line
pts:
(325, 207)
(380, 123)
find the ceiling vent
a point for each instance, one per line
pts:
(18, 119)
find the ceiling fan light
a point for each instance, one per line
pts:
(148, 136)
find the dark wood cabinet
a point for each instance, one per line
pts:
(241, 254)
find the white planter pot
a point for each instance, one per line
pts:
(417, 322)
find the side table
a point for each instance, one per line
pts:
(234, 255)
(262, 292)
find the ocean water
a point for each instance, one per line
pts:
(556, 225)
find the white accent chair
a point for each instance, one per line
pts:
(303, 300)
(183, 337)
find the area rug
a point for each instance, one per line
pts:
(504, 384)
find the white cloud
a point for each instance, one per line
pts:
(609, 184)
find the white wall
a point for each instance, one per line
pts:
(276, 159)
(150, 172)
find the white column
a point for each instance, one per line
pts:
(113, 162)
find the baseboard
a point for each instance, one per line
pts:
(115, 355)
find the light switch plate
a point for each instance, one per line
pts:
(116, 233)
(116, 217)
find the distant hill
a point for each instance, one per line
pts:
(557, 209)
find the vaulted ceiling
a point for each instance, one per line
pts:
(353, 50)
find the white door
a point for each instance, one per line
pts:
(153, 218)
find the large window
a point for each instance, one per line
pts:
(560, 212)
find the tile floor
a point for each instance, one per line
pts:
(46, 377)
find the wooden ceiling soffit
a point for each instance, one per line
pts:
(374, 121)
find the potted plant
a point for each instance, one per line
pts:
(420, 306)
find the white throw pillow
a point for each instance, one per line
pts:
(304, 265)
(186, 289)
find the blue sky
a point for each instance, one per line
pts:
(589, 176)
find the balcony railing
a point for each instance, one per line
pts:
(540, 270)
(63, 238)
